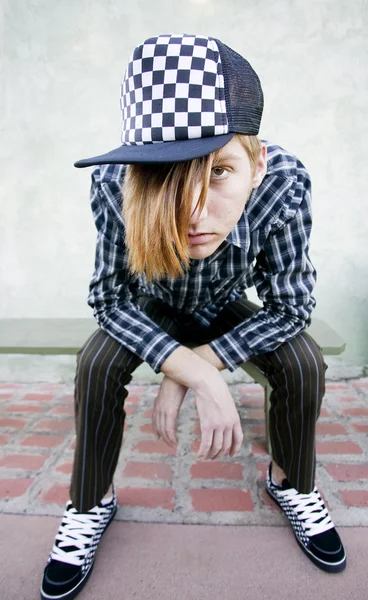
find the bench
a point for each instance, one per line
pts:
(66, 336)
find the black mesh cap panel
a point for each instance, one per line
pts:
(243, 92)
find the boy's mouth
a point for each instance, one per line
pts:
(199, 238)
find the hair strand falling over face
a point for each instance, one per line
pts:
(157, 204)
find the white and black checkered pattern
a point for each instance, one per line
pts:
(311, 523)
(173, 89)
(103, 519)
(75, 545)
(305, 522)
(192, 92)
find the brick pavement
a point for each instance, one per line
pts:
(159, 484)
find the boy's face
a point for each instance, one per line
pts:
(231, 185)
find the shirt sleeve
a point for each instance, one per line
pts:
(113, 291)
(284, 278)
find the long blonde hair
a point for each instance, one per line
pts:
(156, 209)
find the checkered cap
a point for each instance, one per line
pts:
(173, 89)
(190, 90)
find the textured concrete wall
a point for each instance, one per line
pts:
(61, 67)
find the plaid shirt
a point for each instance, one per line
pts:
(268, 248)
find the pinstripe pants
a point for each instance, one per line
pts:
(295, 371)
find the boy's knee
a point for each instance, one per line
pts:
(304, 367)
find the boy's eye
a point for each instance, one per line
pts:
(218, 172)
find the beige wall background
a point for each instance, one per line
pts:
(61, 66)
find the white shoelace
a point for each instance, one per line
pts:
(309, 514)
(73, 532)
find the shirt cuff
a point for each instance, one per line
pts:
(230, 354)
(157, 348)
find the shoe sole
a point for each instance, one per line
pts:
(78, 588)
(328, 567)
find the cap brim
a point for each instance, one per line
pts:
(159, 152)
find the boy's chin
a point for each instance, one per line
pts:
(204, 250)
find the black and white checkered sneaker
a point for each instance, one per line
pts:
(312, 524)
(72, 558)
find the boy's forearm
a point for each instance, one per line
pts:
(210, 356)
(191, 367)
(188, 367)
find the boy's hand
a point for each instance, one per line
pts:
(166, 409)
(219, 419)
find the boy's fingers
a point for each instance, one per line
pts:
(238, 436)
(228, 440)
(217, 443)
(154, 424)
(170, 428)
(161, 426)
(206, 443)
(226, 444)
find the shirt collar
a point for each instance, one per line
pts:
(240, 235)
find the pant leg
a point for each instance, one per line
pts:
(296, 373)
(104, 368)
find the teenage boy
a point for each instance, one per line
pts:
(191, 210)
